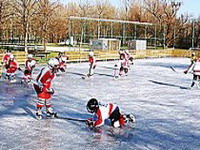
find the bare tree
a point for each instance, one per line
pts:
(25, 10)
(85, 8)
(46, 11)
(5, 14)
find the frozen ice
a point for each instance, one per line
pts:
(167, 112)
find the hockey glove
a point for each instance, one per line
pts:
(89, 123)
(19, 69)
(50, 91)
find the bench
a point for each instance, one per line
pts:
(42, 55)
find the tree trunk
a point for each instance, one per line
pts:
(26, 38)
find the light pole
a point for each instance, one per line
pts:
(175, 7)
(193, 32)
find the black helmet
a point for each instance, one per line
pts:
(92, 105)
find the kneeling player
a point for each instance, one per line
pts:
(103, 112)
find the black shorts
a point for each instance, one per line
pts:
(115, 116)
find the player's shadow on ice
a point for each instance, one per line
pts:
(75, 73)
(103, 74)
(168, 84)
(167, 65)
(81, 74)
(106, 67)
(16, 97)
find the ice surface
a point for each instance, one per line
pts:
(167, 113)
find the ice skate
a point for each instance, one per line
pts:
(51, 113)
(88, 76)
(13, 81)
(39, 114)
(129, 118)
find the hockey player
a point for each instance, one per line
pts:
(193, 60)
(92, 64)
(62, 61)
(196, 73)
(5, 60)
(6, 57)
(109, 111)
(11, 68)
(29, 66)
(129, 58)
(43, 88)
(195, 68)
(122, 65)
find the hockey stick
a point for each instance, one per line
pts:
(73, 119)
(174, 70)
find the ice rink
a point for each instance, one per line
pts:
(167, 112)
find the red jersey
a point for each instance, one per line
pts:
(6, 57)
(62, 65)
(92, 60)
(103, 113)
(12, 66)
(44, 79)
(30, 64)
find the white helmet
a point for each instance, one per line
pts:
(11, 56)
(121, 51)
(64, 58)
(53, 62)
(91, 54)
(30, 56)
(126, 51)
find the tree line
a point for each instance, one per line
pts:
(46, 20)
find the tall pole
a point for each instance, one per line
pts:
(193, 32)
(164, 38)
(69, 30)
(124, 33)
(135, 32)
(98, 30)
(111, 30)
(155, 37)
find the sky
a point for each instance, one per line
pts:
(191, 7)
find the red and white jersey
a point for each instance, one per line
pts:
(127, 55)
(62, 65)
(196, 67)
(123, 63)
(30, 64)
(12, 66)
(92, 60)
(6, 57)
(103, 113)
(45, 78)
